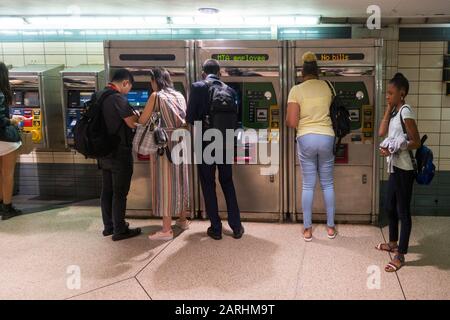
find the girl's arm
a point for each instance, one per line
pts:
(148, 110)
(384, 125)
(413, 134)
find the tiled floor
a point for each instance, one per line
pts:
(43, 253)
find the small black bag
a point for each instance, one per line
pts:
(10, 133)
(340, 117)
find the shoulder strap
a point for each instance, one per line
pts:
(413, 160)
(333, 91)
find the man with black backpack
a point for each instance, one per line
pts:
(214, 104)
(117, 167)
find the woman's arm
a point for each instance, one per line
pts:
(293, 115)
(148, 110)
(413, 134)
(384, 125)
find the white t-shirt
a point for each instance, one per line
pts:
(403, 161)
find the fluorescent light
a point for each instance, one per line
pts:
(231, 20)
(206, 20)
(183, 20)
(74, 22)
(307, 20)
(11, 23)
(156, 20)
(282, 20)
(256, 21)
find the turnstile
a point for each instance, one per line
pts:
(139, 57)
(37, 97)
(354, 68)
(78, 84)
(255, 70)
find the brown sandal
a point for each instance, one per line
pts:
(386, 247)
(393, 266)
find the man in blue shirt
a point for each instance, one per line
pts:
(197, 110)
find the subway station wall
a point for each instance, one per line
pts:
(67, 174)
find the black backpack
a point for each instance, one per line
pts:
(340, 117)
(91, 135)
(223, 112)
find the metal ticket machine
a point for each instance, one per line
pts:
(37, 97)
(254, 69)
(354, 68)
(78, 85)
(139, 57)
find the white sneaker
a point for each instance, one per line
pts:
(162, 236)
(183, 224)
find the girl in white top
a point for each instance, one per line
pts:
(8, 150)
(401, 169)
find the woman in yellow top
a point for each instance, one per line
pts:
(309, 112)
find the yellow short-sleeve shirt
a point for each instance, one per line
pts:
(314, 97)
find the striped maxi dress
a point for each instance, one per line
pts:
(170, 182)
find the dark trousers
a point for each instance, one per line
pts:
(207, 174)
(117, 172)
(398, 206)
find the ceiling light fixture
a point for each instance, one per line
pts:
(208, 10)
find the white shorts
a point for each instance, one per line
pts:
(8, 147)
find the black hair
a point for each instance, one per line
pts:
(162, 78)
(310, 68)
(122, 75)
(5, 87)
(211, 66)
(400, 82)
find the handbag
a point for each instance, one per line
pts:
(9, 133)
(144, 139)
(27, 143)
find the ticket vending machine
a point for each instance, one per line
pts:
(78, 84)
(139, 57)
(254, 69)
(354, 68)
(37, 97)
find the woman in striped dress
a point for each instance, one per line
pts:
(170, 182)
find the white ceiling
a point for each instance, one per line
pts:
(326, 8)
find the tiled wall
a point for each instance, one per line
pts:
(67, 53)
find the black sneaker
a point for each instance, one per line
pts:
(9, 212)
(238, 234)
(109, 232)
(211, 233)
(130, 233)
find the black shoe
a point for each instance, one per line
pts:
(130, 233)
(238, 234)
(211, 233)
(110, 232)
(9, 212)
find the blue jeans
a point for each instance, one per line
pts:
(315, 152)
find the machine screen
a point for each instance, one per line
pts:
(138, 98)
(31, 99)
(18, 98)
(85, 97)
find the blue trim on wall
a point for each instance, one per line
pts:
(425, 34)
